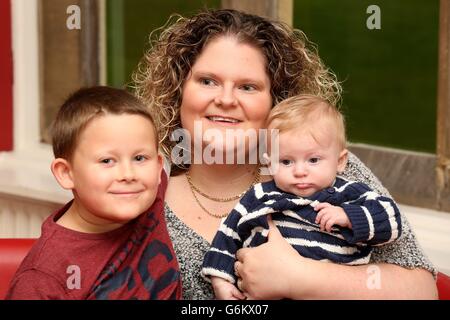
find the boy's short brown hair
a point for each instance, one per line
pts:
(304, 110)
(87, 104)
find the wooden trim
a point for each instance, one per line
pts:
(6, 78)
(285, 10)
(409, 176)
(443, 108)
(69, 59)
(90, 71)
(281, 10)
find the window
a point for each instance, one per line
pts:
(389, 75)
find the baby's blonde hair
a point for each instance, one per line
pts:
(303, 112)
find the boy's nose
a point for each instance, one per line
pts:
(127, 172)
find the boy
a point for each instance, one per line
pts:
(322, 216)
(110, 241)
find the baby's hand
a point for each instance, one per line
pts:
(225, 290)
(330, 215)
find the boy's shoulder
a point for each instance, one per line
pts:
(61, 253)
(52, 246)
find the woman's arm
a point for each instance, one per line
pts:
(289, 275)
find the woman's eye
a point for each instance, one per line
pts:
(314, 160)
(286, 162)
(248, 87)
(140, 158)
(207, 82)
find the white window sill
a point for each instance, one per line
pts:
(29, 176)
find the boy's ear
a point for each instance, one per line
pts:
(342, 161)
(62, 171)
(160, 167)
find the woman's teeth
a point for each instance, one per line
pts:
(222, 119)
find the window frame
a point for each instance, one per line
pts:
(25, 170)
(6, 78)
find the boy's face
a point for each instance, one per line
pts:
(308, 163)
(115, 169)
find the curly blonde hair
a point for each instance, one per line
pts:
(293, 67)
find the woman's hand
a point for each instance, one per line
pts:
(270, 270)
(275, 270)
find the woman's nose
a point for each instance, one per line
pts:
(226, 98)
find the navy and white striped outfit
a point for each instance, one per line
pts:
(375, 221)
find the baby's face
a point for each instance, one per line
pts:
(307, 165)
(116, 169)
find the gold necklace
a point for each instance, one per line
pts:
(215, 215)
(228, 199)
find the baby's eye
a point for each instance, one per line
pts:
(286, 162)
(140, 158)
(107, 161)
(314, 160)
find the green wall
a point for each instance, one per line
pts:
(389, 75)
(129, 24)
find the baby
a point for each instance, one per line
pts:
(323, 216)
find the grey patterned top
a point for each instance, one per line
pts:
(191, 247)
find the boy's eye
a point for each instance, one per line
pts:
(286, 162)
(140, 158)
(314, 160)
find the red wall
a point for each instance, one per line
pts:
(6, 77)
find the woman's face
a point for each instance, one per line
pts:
(227, 89)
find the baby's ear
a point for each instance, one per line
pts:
(62, 171)
(265, 159)
(342, 161)
(267, 164)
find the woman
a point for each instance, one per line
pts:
(224, 70)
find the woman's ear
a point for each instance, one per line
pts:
(342, 161)
(62, 171)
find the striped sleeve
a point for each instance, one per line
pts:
(220, 258)
(375, 219)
